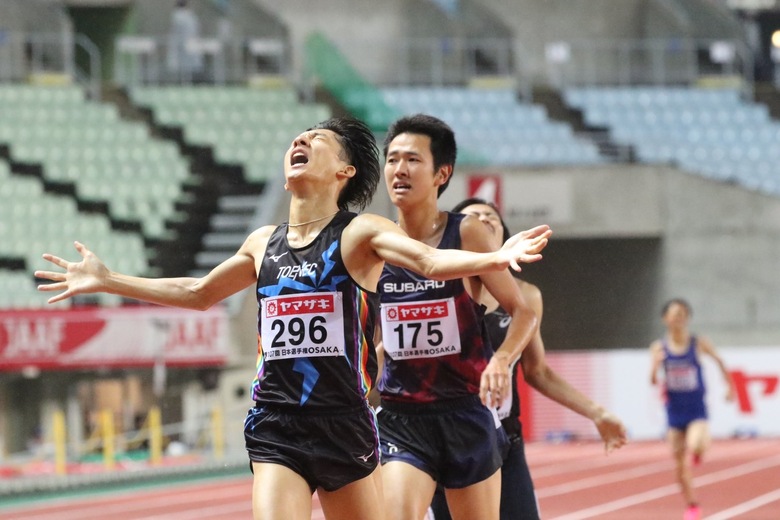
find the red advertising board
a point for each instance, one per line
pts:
(486, 186)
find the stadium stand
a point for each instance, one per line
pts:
(345, 84)
(712, 132)
(86, 144)
(251, 127)
(242, 40)
(495, 127)
(34, 221)
(242, 130)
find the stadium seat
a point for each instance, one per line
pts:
(250, 127)
(483, 119)
(712, 132)
(85, 143)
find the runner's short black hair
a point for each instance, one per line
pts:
(678, 301)
(360, 150)
(443, 146)
(476, 200)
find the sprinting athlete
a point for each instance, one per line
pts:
(441, 378)
(316, 275)
(678, 355)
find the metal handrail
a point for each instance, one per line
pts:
(154, 60)
(30, 53)
(647, 61)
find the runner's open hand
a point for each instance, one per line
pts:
(525, 246)
(82, 277)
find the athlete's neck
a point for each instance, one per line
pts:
(307, 220)
(679, 337)
(423, 224)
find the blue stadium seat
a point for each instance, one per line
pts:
(485, 120)
(713, 132)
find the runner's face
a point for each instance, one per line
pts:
(409, 173)
(676, 317)
(488, 216)
(315, 152)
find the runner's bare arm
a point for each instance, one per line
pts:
(706, 347)
(656, 358)
(90, 275)
(390, 244)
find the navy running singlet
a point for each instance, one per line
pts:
(315, 324)
(497, 323)
(432, 332)
(684, 385)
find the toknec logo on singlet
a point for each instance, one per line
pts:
(294, 271)
(302, 325)
(409, 287)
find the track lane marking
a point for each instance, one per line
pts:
(660, 492)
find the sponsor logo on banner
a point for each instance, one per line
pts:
(191, 335)
(117, 337)
(765, 384)
(24, 337)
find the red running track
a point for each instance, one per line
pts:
(737, 480)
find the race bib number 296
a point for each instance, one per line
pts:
(302, 325)
(420, 329)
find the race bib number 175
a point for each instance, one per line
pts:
(302, 325)
(420, 329)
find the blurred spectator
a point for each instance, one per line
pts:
(183, 63)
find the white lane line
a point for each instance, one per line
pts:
(744, 507)
(567, 466)
(600, 480)
(622, 475)
(106, 508)
(663, 491)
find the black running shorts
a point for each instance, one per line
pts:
(329, 449)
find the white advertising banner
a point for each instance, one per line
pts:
(112, 337)
(620, 380)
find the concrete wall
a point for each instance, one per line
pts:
(379, 24)
(536, 24)
(678, 234)
(373, 35)
(382, 39)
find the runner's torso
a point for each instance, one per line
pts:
(316, 324)
(432, 332)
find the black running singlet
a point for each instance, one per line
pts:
(315, 324)
(497, 324)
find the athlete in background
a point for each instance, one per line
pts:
(678, 356)
(518, 500)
